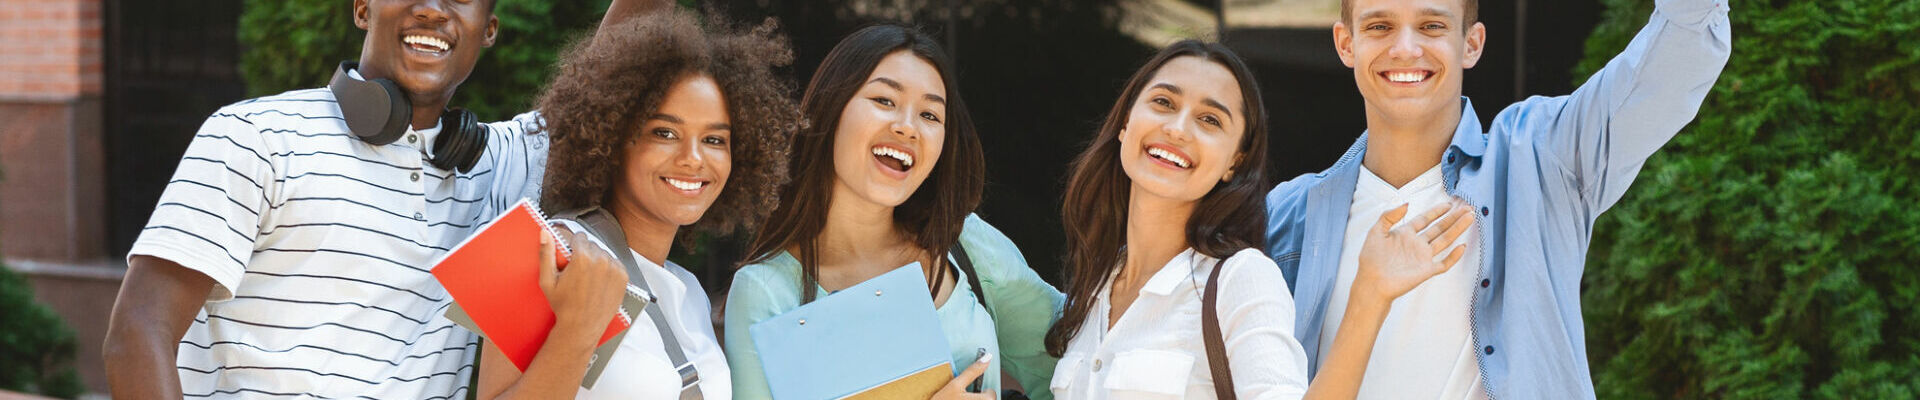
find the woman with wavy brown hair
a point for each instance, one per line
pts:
(888, 174)
(655, 122)
(1164, 213)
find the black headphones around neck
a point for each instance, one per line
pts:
(377, 111)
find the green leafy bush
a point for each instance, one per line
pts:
(36, 347)
(294, 44)
(1772, 250)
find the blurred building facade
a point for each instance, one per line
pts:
(99, 99)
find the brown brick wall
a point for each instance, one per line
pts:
(50, 49)
(52, 165)
(52, 202)
(52, 186)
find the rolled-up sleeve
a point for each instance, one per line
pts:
(1605, 131)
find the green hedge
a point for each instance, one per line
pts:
(1772, 250)
(294, 44)
(35, 344)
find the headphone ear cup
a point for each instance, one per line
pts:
(376, 111)
(461, 141)
(399, 114)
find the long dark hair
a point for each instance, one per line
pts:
(1094, 208)
(932, 216)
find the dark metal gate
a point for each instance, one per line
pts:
(168, 64)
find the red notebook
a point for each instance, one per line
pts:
(494, 277)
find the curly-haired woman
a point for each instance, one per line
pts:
(654, 122)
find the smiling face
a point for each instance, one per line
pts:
(1408, 56)
(677, 161)
(427, 47)
(891, 132)
(1183, 132)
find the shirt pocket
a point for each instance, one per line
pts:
(1063, 373)
(1150, 374)
(1289, 264)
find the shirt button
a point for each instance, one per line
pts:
(418, 217)
(1484, 211)
(1449, 158)
(415, 177)
(1485, 282)
(412, 138)
(1096, 365)
(1489, 350)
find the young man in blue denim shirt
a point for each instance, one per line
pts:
(1507, 323)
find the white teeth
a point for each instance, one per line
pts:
(905, 159)
(1168, 155)
(1406, 77)
(429, 41)
(685, 185)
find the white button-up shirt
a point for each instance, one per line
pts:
(1156, 351)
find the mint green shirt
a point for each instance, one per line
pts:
(1024, 307)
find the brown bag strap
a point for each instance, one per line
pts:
(965, 263)
(1210, 329)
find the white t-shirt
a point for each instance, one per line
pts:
(319, 245)
(1425, 348)
(1156, 350)
(640, 368)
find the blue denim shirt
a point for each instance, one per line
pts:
(1538, 177)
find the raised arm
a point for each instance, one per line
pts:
(515, 161)
(1605, 130)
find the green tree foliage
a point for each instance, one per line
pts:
(1772, 250)
(36, 347)
(294, 44)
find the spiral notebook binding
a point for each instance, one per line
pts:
(636, 293)
(624, 319)
(548, 225)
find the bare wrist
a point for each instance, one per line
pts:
(576, 337)
(1369, 301)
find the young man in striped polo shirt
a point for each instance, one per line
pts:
(289, 256)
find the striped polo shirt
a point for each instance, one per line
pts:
(320, 245)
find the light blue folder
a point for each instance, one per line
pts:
(874, 337)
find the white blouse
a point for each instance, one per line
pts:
(640, 369)
(1156, 351)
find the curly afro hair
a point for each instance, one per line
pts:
(609, 83)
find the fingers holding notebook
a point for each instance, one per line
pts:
(588, 292)
(957, 388)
